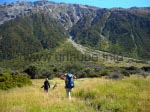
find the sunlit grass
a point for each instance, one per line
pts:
(34, 99)
(127, 95)
(89, 95)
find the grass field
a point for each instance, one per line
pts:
(90, 95)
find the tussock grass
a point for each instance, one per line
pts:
(34, 99)
(90, 95)
(127, 95)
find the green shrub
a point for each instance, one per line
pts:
(2, 69)
(93, 75)
(115, 75)
(55, 69)
(73, 67)
(125, 72)
(133, 70)
(31, 71)
(144, 74)
(46, 74)
(104, 73)
(8, 81)
(82, 74)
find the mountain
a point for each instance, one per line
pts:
(117, 30)
(26, 35)
(120, 31)
(67, 14)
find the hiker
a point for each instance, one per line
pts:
(69, 83)
(46, 85)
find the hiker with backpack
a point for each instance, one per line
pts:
(46, 85)
(69, 83)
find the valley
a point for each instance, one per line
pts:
(107, 49)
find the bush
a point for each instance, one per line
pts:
(31, 71)
(93, 75)
(2, 69)
(55, 70)
(82, 74)
(125, 72)
(133, 70)
(104, 73)
(8, 81)
(115, 75)
(146, 69)
(72, 67)
(46, 74)
(144, 74)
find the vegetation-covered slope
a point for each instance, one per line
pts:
(64, 58)
(121, 31)
(117, 30)
(52, 63)
(30, 34)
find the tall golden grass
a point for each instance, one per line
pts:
(89, 95)
(34, 99)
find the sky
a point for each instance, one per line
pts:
(101, 3)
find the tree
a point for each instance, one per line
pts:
(31, 71)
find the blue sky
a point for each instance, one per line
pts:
(102, 3)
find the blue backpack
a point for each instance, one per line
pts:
(69, 81)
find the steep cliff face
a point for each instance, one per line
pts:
(117, 30)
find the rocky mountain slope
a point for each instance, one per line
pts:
(120, 31)
(67, 14)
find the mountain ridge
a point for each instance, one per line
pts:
(115, 30)
(20, 9)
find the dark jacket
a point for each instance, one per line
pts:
(46, 85)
